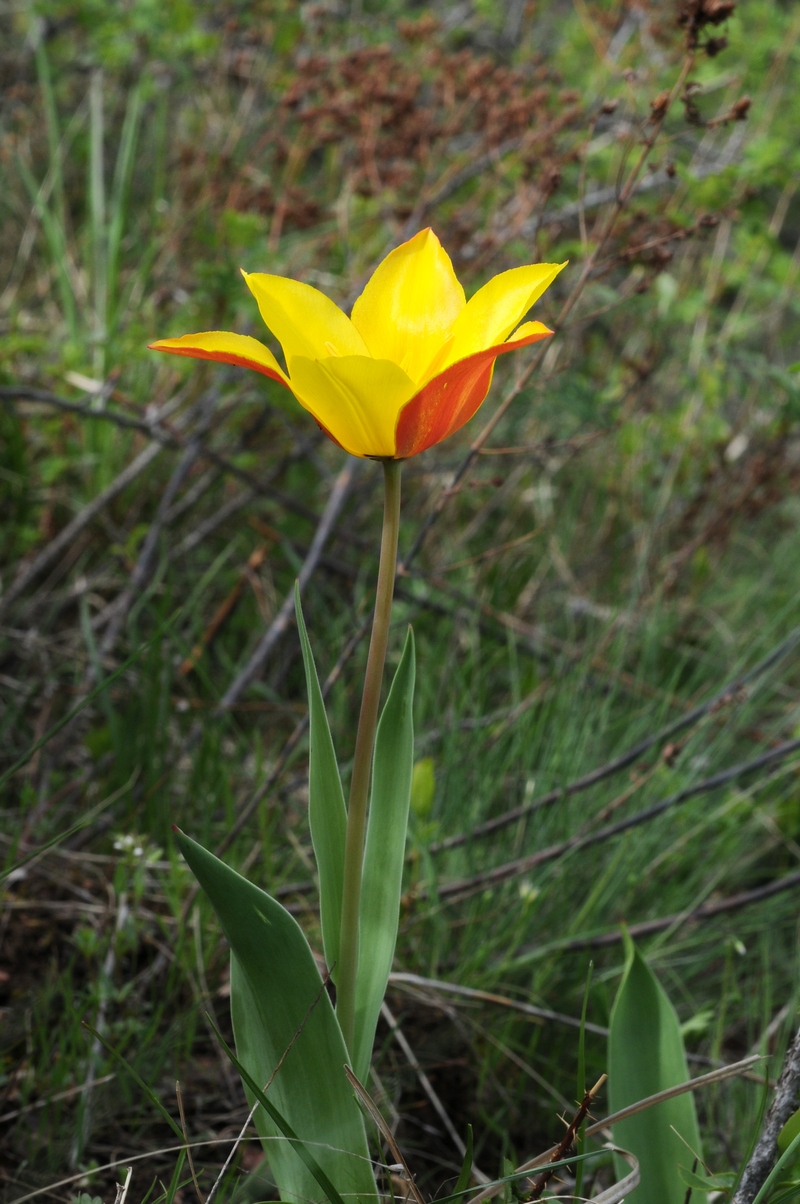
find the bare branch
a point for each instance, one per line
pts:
(784, 1103)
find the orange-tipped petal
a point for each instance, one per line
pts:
(528, 332)
(303, 320)
(355, 399)
(409, 306)
(493, 312)
(226, 348)
(448, 401)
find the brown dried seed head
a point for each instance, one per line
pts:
(714, 46)
(717, 11)
(659, 105)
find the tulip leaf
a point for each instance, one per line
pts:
(327, 815)
(645, 1056)
(286, 1129)
(384, 855)
(279, 1004)
(789, 1131)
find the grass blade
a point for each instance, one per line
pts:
(327, 815)
(384, 854)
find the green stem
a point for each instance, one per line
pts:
(362, 760)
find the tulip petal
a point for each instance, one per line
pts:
(303, 320)
(355, 399)
(409, 306)
(227, 348)
(520, 337)
(494, 311)
(448, 401)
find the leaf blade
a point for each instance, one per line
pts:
(327, 815)
(384, 854)
(646, 1055)
(274, 982)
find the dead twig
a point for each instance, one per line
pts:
(784, 1103)
(727, 693)
(538, 1014)
(428, 1088)
(121, 606)
(704, 1080)
(565, 1144)
(374, 1112)
(283, 618)
(464, 887)
(66, 537)
(186, 1139)
(707, 911)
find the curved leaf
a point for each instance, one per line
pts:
(384, 854)
(327, 815)
(278, 1003)
(645, 1056)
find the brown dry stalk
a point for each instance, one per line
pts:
(562, 1149)
(783, 1105)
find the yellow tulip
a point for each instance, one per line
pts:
(409, 367)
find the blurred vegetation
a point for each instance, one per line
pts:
(621, 545)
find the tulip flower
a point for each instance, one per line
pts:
(408, 368)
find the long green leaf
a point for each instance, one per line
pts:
(285, 1128)
(327, 815)
(384, 854)
(123, 173)
(646, 1055)
(278, 1004)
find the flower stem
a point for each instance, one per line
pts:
(362, 760)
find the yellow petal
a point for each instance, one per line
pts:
(494, 311)
(527, 329)
(355, 398)
(226, 348)
(409, 306)
(303, 320)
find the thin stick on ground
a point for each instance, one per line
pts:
(464, 887)
(122, 1188)
(119, 609)
(186, 1137)
(540, 1015)
(67, 536)
(707, 911)
(374, 1112)
(280, 624)
(428, 1088)
(726, 693)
